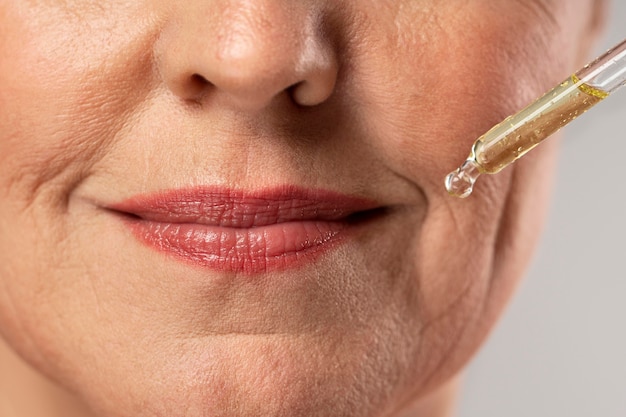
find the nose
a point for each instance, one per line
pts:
(248, 51)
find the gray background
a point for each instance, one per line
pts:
(560, 348)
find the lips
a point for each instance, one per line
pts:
(247, 232)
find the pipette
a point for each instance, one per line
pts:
(516, 135)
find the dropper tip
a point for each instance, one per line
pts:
(460, 183)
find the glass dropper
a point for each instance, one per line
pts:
(516, 135)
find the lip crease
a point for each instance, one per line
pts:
(242, 231)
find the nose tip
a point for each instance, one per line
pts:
(251, 57)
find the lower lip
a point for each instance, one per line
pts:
(242, 250)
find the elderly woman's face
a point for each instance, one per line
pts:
(233, 207)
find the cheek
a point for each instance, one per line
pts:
(58, 117)
(61, 113)
(445, 78)
(428, 92)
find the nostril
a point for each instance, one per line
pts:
(195, 87)
(291, 92)
(199, 83)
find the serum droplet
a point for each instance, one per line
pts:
(460, 183)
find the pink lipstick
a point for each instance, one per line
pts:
(246, 232)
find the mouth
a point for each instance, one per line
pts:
(245, 232)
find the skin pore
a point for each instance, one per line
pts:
(376, 99)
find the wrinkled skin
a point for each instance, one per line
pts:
(374, 98)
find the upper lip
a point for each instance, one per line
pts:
(236, 208)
